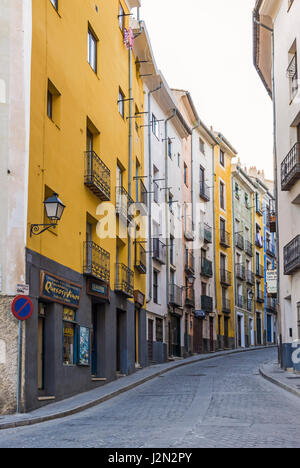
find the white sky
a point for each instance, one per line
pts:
(205, 47)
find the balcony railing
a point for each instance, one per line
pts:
(206, 268)
(250, 277)
(190, 297)
(260, 297)
(240, 301)
(240, 271)
(175, 295)
(207, 234)
(290, 168)
(292, 256)
(123, 202)
(97, 176)
(271, 304)
(204, 192)
(189, 262)
(96, 262)
(159, 251)
(239, 241)
(124, 280)
(270, 249)
(143, 194)
(249, 248)
(260, 271)
(249, 304)
(225, 277)
(207, 304)
(259, 209)
(225, 238)
(140, 258)
(226, 306)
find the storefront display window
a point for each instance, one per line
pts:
(69, 331)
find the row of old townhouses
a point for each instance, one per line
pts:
(276, 38)
(132, 226)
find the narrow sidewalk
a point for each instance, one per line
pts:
(94, 397)
(289, 381)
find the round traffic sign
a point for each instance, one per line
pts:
(22, 307)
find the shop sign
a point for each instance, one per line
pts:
(23, 289)
(84, 347)
(271, 277)
(58, 290)
(97, 289)
(139, 298)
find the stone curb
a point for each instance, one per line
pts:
(278, 383)
(98, 401)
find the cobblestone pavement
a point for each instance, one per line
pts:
(223, 402)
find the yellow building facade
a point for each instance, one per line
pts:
(86, 144)
(224, 264)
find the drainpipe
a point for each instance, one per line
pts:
(150, 187)
(167, 200)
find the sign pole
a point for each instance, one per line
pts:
(20, 350)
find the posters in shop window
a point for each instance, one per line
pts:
(84, 347)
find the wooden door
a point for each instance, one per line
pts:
(211, 333)
(226, 332)
(198, 335)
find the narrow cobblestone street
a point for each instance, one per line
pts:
(223, 402)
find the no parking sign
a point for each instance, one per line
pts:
(22, 308)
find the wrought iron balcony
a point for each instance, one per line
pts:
(239, 241)
(96, 261)
(270, 249)
(189, 262)
(240, 301)
(159, 251)
(143, 194)
(226, 306)
(124, 280)
(190, 297)
(207, 304)
(271, 304)
(259, 209)
(206, 268)
(189, 229)
(250, 277)
(249, 248)
(260, 271)
(225, 277)
(240, 271)
(204, 192)
(97, 176)
(292, 256)
(175, 295)
(225, 238)
(249, 304)
(207, 234)
(140, 258)
(290, 168)
(123, 202)
(260, 297)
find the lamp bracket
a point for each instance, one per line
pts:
(37, 229)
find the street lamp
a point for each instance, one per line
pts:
(54, 209)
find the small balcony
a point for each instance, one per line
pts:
(260, 297)
(96, 262)
(207, 304)
(239, 241)
(189, 262)
(292, 256)
(204, 192)
(97, 176)
(175, 295)
(270, 249)
(226, 306)
(225, 239)
(249, 304)
(140, 258)
(240, 301)
(290, 168)
(259, 209)
(240, 271)
(190, 297)
(159, 251)
(143, 195)
(271, 304)
(249, 248)
(271, 222)
(189, 229)
(258, 240)
(123, 203)
(207, 234)
(225, 277)
(250, 277)
(124, 280)
(206, 268)
(260, 271)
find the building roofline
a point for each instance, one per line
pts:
(256, 44)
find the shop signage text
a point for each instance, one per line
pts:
(59, 290)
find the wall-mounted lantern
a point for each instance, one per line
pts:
(54, 210)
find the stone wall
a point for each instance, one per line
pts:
(8, 357)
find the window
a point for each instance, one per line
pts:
(155, 126)
(55, 4)
(92, 50)
(121, 18)
(159, 330)
(69, 330)
(179, 159)
(202, 146)
(121, 103)
(170, 146)
(222, 195)
(155, 184)
(185, 174)
(246, 200)
(155, 287)
(222, 158)
(292, 71)
(53, 103)
(171, 202)
(50, 105)
(237, 191)
(172, 251)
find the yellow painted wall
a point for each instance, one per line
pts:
(260, 221)
(224, 174)
(59, 53)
